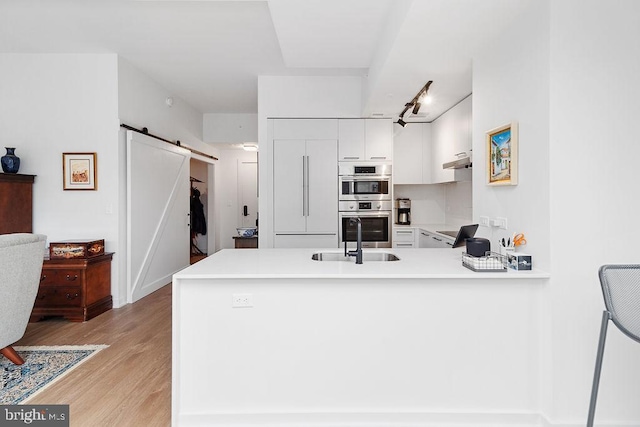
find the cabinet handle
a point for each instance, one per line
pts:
(71, 279)
(409, 245)
(307, 192)
(404, 232)
(304, 188)
(439, 240)
(378, 157)
(70, 297)
(351, 157)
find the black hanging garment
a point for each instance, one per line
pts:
(198, 221)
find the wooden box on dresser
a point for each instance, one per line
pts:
(76, 289)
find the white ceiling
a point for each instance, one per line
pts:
(210, 52)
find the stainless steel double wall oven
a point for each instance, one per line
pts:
(365, 192)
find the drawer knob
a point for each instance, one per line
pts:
(70, 297)
(71, 279)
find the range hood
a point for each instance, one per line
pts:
(462, 160)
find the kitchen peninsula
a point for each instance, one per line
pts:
(272, 337)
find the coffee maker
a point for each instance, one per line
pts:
(403, 208)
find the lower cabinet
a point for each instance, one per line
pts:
(76, 289)
(432, 240)
(404, 238)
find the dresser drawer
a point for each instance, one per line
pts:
(61, 277)
(57, 296)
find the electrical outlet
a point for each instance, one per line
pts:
(242, 300)
(502, 223)
(484, 221)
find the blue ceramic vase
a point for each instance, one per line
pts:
(10, 162)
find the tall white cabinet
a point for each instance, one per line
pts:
(305, 178)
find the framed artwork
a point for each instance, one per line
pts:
(502, 155)
(79, 171)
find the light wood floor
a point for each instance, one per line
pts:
(127, 384)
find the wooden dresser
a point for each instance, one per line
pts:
(76, 289)
(16, 201)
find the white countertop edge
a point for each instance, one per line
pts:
(522, 275)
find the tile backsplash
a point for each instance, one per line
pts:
(439, 203)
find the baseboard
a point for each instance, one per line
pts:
(581, 423)
(360, 420)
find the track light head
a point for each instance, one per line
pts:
(402, 122)
(416, 108)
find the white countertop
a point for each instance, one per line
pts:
(297, 263)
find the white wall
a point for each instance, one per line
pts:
(227, 195)
(230, 128)
(294, 97)
(595, 62)
(65, 103)
(75, 103)
(141, 103)
(511, 82)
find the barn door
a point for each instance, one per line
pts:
(157, 213)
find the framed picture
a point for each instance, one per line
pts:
(502, 155)
(79, 171)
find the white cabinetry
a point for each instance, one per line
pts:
(365, 139)
(412, 154)
(404, 237)
(378, 135)
(451, 134)
(351, 139)
(427, 239)
(305, 183)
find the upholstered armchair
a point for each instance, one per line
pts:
(21, 256)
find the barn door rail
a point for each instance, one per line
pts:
(145, 131)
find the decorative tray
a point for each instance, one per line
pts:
(492, 262)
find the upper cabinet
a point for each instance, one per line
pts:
(365, 139)
(351, 139)
(305, 129)
(412, 154)
(378, 143)
(420, 149)
(451, 134)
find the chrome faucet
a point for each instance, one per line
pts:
(358, 252)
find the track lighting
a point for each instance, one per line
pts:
(416, 102)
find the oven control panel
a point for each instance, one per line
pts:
(355, 206)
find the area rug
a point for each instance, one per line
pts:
(42, 367)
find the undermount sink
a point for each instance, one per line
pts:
(366, 256)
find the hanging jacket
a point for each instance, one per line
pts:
(198, 220)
